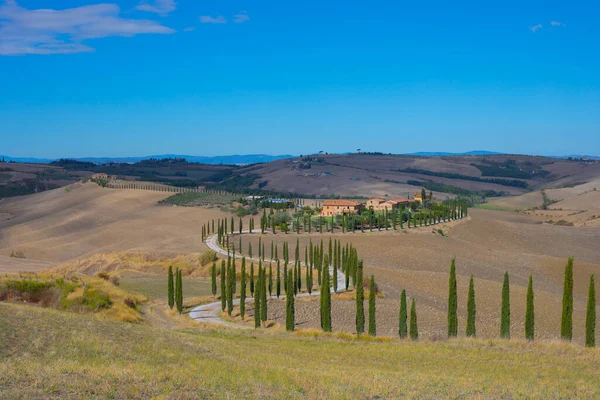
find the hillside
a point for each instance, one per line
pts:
(52, 354)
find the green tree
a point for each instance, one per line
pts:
(530, 312)
(372, 319)
(213, 279)
(243, 289)
(179, 291)
(402, 326)
(590, 318)
(471, 310)
(290, 311)
(223, 287)
(326, 298)
(171, 288)
(257, 298)
(452, 302)
(505, 317)
(566, 327)
(252, 279)
(414, 329)
(263, 294)
(360, 299)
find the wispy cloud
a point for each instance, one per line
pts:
(557, 24)
(207, 19)
(189, 29)
(535, 28)
(46, 31)
(241, 17)
(162, 7)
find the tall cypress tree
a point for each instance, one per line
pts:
(270, 280)
(230, 285)
(252, 289)
(590, 318)
(290, 311)
(278, 280)
(179, 290)
(243, 289)
(402, 326)
(257, 305)
(452, 302)
(505, 318)
(171, 288)
(213, 279)
(471, 310)
(566, 327)
(263, 293)
(414, 329)
(530, 312)
(223, 287)
(360, 299)
(326, 298)
(372, 319)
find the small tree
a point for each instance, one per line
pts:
(171, 288)
(243, 289)
(223, 287)
(530, 312)
(290, 315)
(590, 318)
(505, 318)
(414, 330)
(452, 302)
(372, 319)
(566, 327)
(402, 326)
(471, 310)
(360, 298)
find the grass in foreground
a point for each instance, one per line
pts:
(53, 354)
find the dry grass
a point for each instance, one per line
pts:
(53, 354)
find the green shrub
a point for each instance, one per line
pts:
(207, 257)
(95, 300)
(103, 275)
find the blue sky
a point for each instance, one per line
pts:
(202, 77)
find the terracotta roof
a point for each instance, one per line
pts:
(399, 200)
(379, 199)
(349, 203)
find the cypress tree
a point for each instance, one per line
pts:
(252, 279)
(360, 298)
(590, 318)
(270, 280)
(471, 310)
(372, 319)
(505, 321)
(530, 312)
(290, 311)
(566, 327)
(230, 285)
(179, 292)
(257, 307)
(223, 288)
(171, 288)
(213, 279)
(326, 299)
(402, 327)
(452, 302)
(414, 330)
(243, 289)
(263, 292)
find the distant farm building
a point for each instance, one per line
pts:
(100, 175)
(338, 207)
(419, 199)
(375, 202)
(379, 204)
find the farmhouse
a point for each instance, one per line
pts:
(391, 204)
(100, 175)
(419, 199)
(375, 202)
(337, 207)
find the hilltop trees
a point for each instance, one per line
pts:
(529, 312)
(505, 313)
(402, 327)
(566, 327)
(471, 310)
(372, 319)
(452, 302)
(590, 318)
(171, 288)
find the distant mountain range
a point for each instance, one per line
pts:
(246, 158)
(232, 159)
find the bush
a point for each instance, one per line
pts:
(17, 254)
(95, 300)
(129, 302)
(115, 280)
(103, 275)
(207, 257)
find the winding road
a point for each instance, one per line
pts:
(210, 313)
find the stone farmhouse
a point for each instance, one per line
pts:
(337, 207)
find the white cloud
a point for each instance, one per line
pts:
(557, 24)
(189, 29)
(207, 19)
(535, 28)
(241, 17)
(47, 31)
(162, 7)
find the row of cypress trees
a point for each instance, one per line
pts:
(175, 290)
